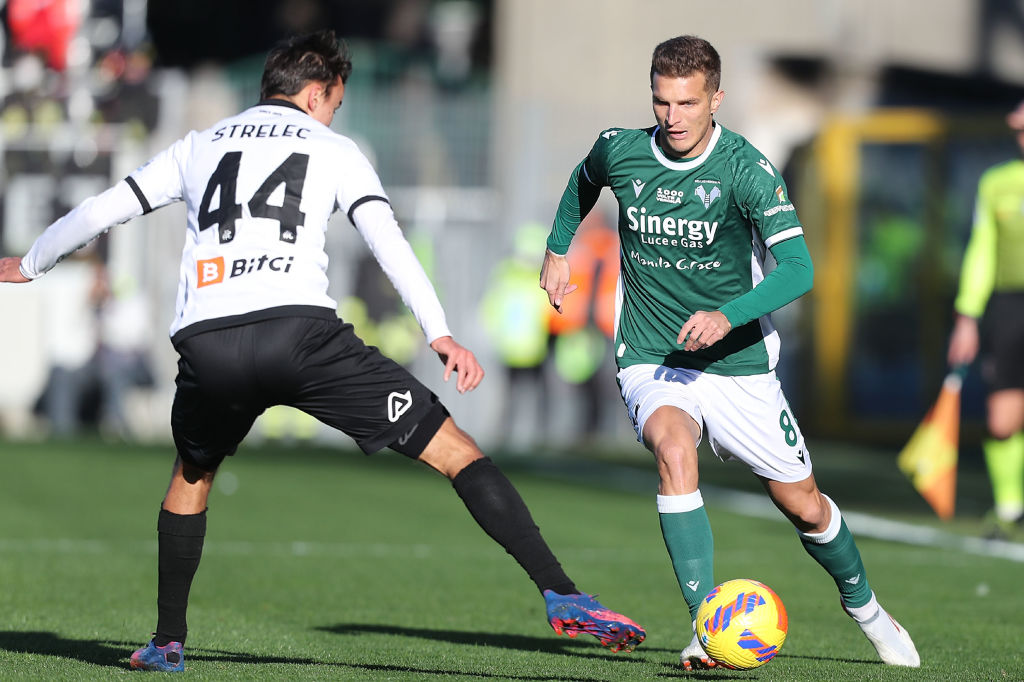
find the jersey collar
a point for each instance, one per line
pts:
(688, 164)
(277, 101)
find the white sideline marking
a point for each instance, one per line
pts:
(871, 526)
(759, 506)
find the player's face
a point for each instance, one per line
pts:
(683, 108)
(326, 103)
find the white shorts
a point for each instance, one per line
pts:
(747, 418)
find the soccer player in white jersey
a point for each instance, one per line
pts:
(254, 326)
(699, 207)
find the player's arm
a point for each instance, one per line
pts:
(77, 228)
(577, 200)
(791, 279)
(376, 223)
(151, 186)
(977, 278)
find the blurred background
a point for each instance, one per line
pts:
(881, 114)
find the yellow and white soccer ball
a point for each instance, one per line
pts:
(742, 624)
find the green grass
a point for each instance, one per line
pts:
(330, 565)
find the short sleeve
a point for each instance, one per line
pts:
(763, 198)
(357, 180)
(160, 180)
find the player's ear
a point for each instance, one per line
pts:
(314, 96)
(716, 100)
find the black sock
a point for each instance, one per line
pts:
(501, 512)
(181, 547)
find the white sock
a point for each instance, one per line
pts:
(864, 613)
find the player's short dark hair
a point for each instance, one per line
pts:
(686, 55)
(314, 57)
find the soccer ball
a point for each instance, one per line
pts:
(741, 624)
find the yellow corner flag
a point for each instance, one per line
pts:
(929, 457)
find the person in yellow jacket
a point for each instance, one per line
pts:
(992, 284)
(515, 317)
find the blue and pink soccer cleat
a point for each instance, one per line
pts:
(168, 659)
(576, 613)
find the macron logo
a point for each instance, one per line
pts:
(763, 163)
(638, 186)
(398, 404)
(854, 580)
(693, 585)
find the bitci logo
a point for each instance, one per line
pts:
(209, 271)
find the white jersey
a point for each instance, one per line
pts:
(259, 188)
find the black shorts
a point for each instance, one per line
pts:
(228, 377)
(1002, 338)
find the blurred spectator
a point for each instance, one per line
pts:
(122, 357)
(71, 335)
(582, 333)
(514, 312)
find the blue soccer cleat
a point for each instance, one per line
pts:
(168, 659)
(576, 613)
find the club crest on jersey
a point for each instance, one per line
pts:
(707, 196)
(398, 404)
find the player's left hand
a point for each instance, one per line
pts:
(458, 359)
(554, 279)
(10, 271)
(703, 330)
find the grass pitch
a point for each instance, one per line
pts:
(328, 565)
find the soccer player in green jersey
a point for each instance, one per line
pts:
(992, 283)
(699, 208)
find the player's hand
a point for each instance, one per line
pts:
(554, 279)
(458, 359)
(703, 330)
(10, 271)
(963, 343)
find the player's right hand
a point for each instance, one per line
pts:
(554, 279)
(458, 359)
(10, 271)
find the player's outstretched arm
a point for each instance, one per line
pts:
(554, 278)
(457, 358)
(10, 270)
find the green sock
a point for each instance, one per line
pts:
(1005, 461)
(687, 533)
(837, 553)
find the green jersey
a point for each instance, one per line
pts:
(994, 260)
(694, 234)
